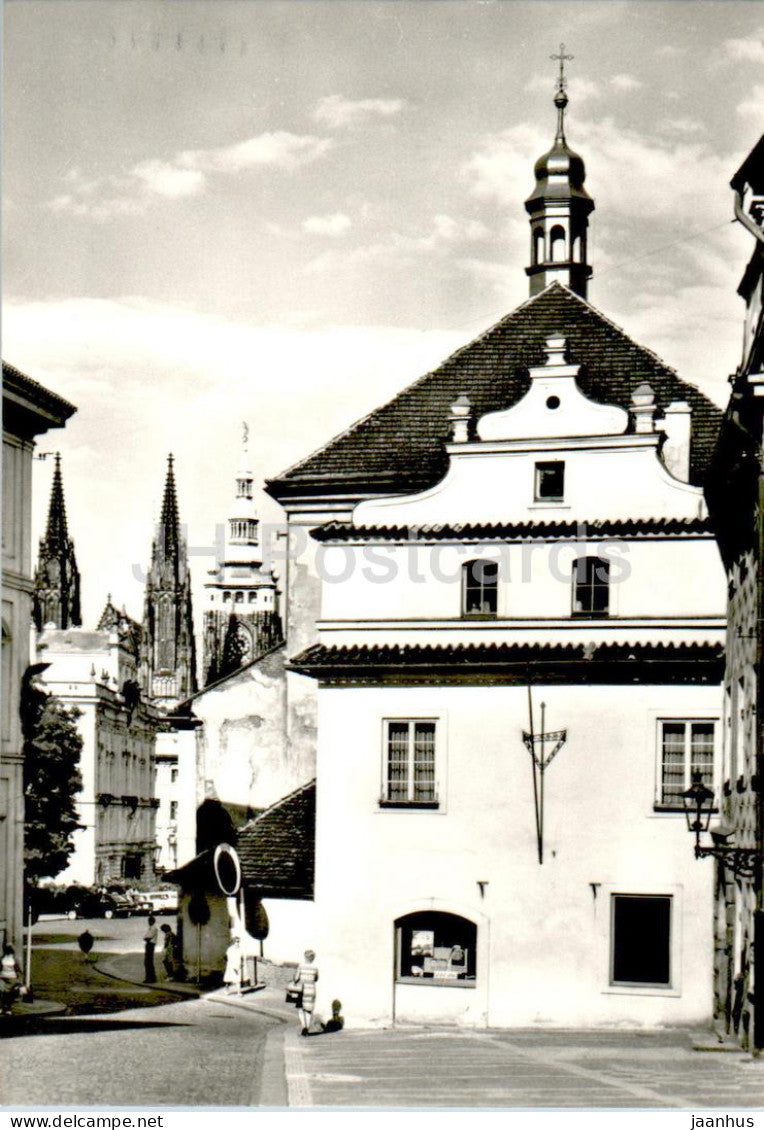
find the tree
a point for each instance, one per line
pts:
(52, 747)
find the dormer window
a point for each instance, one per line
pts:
(591, 587)
(550, 481)
(480, 588)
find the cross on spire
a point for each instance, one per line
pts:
(562, 58)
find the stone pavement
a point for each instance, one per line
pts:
(431, 1067)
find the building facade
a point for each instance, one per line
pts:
(29, 410)
(167, 670)
(241, 613)
(96, 672)
(518, 662)
(736, 500)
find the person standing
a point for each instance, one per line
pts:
(232, 974)
(306, 978)
(11, 978)
(149, 945)
(168, 952)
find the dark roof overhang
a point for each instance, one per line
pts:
(512, 664)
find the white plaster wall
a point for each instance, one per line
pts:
(292, 930)
(656, 578)
(241, 749)
(543, 936)
(612, 477)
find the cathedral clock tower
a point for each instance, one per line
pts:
(241, 615)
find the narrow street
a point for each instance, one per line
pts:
(193, 1053)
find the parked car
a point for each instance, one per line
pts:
(81, 902)
(142, 904)
(163, 902)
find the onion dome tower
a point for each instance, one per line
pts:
(559, 208)
(167, 649)
(241, 614)
(57, 578)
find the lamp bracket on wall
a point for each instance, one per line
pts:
(543, 748)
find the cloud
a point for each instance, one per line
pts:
(680, 125)
(625, 82)
(749, 50)
(669, 51)
(164, 179)
(335, 224)
(445, 235)
(340, 113)
(662, 174)
(278, 150)
(184, 175)
(165, 378)
(753, 107)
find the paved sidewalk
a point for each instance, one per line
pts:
(431, 1067)
(526, 1069)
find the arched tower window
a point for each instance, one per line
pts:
(538, 246)
(577, 248)
(557, 244)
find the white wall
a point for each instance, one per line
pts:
(543, 931)
(664, 578)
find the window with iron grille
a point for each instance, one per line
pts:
(687, 747)
(409, 771)
(480, 588)
(591, 587)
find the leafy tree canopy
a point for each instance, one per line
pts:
(52, 747)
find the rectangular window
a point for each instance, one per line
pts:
(686, 748)
(410, 764)
(641, 940)
(480, 588)
(591, 587)
(173, 775)
(550, 482)
(173, 810)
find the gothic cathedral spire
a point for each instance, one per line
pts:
(168, 659)
(57, 579)
(559, 207)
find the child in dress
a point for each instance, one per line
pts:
(306, 978)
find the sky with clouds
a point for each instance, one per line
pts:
(285, 211)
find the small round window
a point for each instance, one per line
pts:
(553, 402)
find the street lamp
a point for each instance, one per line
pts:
(698, 803)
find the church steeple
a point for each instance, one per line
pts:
(241, 615)
(168, 658)
(559, 207)
(57, 579)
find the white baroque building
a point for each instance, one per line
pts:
(518, 655)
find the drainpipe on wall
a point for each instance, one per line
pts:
(758, 918)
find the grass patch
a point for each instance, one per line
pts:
(69, 977)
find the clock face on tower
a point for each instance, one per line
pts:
(244, 642)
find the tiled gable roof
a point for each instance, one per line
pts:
(277, 850)
(401, 446)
